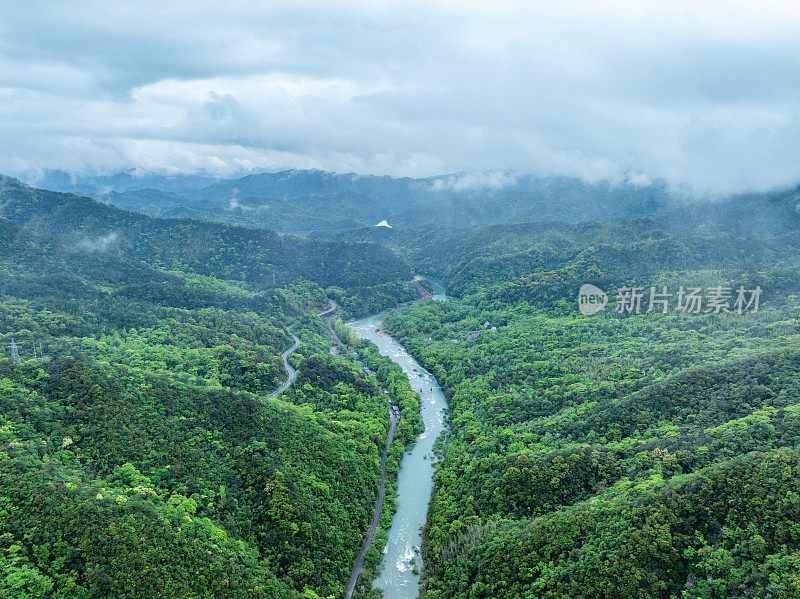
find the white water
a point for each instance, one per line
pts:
(415, 480)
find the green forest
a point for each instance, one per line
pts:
(624, 454)
(372, 299)
(620, 454)
(141, 454)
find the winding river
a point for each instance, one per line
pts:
(415, 480)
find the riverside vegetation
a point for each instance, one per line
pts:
(139, 453)
(618, 455)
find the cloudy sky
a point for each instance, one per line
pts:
(702, 93)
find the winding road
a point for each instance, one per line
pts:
(289, 368)
(328, 314)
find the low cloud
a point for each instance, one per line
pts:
(100, 244)
(638, 179)
(474, 181)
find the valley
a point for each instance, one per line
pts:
(402, 561)
(399, 300)
(184, 399)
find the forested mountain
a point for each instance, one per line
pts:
(140, 452)
(629, 453)
(306, 201)
(72, 223)
(124, 181)
(647, 453)
(740, 232)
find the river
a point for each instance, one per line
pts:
(415, 480)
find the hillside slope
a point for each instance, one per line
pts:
(629, 453)
(140, 454)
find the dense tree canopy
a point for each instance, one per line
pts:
(624, 454)
(621, 454)
(140, 455)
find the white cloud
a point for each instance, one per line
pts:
(98, 244)
(487, 180)
(697, 92)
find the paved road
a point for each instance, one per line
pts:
(329, 311)
(289, 368)
(376, 518)
(329, 314)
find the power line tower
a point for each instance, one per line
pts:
(14, 353)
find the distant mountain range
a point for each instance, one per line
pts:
(70, 233)
(306, 201)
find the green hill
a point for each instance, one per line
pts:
(140, 455)
(622, 454)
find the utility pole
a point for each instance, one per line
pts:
(14, 353)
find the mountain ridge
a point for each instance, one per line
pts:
(295, 200)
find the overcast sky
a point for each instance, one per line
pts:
(705, 94)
